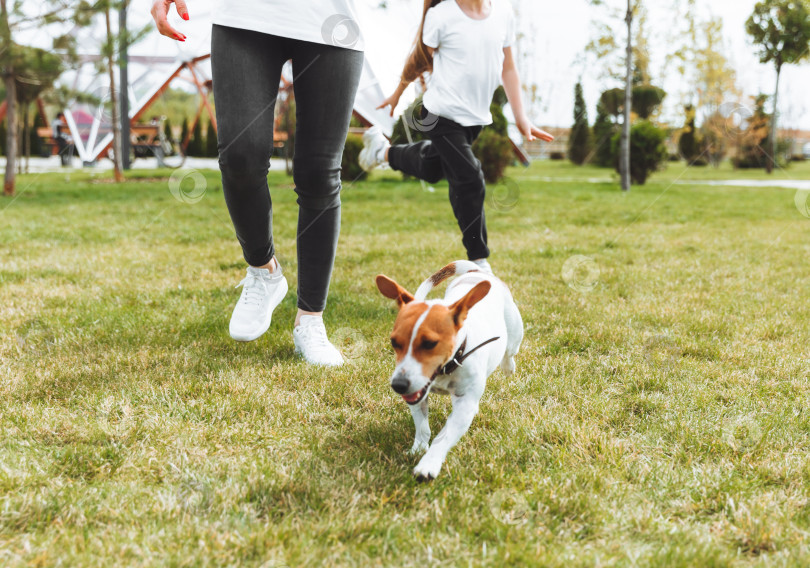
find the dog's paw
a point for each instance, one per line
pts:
(508, 365)
(418, 447)
(427, 469)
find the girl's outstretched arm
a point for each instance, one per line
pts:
(404, 81)
(511, 84)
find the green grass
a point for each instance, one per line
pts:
(658, 417)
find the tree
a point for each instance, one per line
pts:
(108, 50)
(167, 131)
(604, 46)
(750, 150)
(781, 29)
(603, 130)
(715, 132)
(8, 71)
(184, 134)
(211, 150)
(628, 101)
(579, 144)
(646, 100)
(14, 17)
(36, 71)
(688, 144)
(708, 77)
(195, 144)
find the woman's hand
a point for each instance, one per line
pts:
(160, 13)
(531, 132)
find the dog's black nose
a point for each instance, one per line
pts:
(400, 385)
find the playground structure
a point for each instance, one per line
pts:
(90, 124)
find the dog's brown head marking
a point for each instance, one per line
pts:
(429, 339)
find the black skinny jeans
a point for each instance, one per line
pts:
(448, 154)
(246, 69)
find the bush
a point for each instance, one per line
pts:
(603, 131)
(36, 146)
(755, 155)
(211, 150)
(493, 147)
(557, 156)
(350, 167)
(647, 150)
(399, 135)
(495, 153)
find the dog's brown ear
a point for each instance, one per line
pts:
(391, 289)
(460, 308)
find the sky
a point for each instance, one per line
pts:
(555, 35)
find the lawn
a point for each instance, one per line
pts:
(658, 416)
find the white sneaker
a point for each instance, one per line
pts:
(483, 265)
(312, 344)
(374, 146)
(262, 291)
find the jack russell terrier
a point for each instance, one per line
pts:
(450, 346)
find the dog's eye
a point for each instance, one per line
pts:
(394, 344)
(428, 345)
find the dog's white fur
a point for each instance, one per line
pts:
(496, 315)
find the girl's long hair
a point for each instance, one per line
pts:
(420, 60)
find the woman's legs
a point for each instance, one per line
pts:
(326, 80)
(246, 68)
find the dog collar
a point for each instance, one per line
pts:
(458, 358)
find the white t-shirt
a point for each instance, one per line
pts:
(328, 22)
(468, 61)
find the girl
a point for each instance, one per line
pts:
(467, 47)
(250, 42)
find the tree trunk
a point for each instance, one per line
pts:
(116, 125)
(123, 42)
(26, 137)
(11, 103)
(628, 101)
(774, 122)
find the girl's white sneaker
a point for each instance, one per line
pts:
(374, 146)
(483, 265)
(262, 292)
(311, 343)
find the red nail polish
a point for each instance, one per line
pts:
(185, 17)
